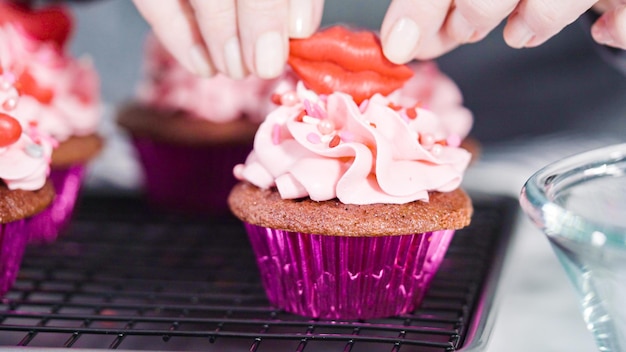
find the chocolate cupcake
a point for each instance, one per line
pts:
(190, 131)
(351, 194)
(58, 93)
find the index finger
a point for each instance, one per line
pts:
(409, 24)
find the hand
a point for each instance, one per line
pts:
(610, 28)
(425, 29)
(234, 37)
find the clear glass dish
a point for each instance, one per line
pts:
(580, 204)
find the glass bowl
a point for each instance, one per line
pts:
(579, 202)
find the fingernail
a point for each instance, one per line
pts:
(269, 55)
(200, 61)
(519, 34)
(402, 41)
(600, 34)
(462, 30)
(232, 55)
(300, 21)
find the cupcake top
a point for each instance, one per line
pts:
(58, 93)
(359, 128)
(219, 99)
(25, 151)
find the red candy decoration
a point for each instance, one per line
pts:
(51, 23)
(10, 130)
(338, 59)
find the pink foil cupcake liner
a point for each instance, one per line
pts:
(13, 240)
(194, 179)
(337, 277)
(48, 224)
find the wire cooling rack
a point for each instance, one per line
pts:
(127, 277)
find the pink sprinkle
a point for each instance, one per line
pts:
(308, 107)
(323, 97)
(364, 105)
(453, 140)
(276, 134)
(313, 138)
(319, 112)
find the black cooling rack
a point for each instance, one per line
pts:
(127, 277)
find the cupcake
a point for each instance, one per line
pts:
(25, 191)
(351, 194)
(190, 131)
(58, 93)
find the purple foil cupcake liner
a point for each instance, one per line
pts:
(13, 240)
(49, 223)
(337, 277)
(194, 179)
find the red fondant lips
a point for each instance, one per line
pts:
(338, 59)
(51, 23)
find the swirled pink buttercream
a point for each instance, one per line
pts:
(24, 163)
(382, 151)
(168, 85)
(57, 91)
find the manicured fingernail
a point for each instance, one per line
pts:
(200, 61)
(600, 34)
(519, 33)
(462, 30)
(402, 41)
(269, 55)
(234, 63)
(300, 21)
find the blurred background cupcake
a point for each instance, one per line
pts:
(190, 131)
(25, 190)
(59, 94)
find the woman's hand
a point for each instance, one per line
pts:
(425, 29)
(234, 37)
(610, 28)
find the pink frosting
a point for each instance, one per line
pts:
(74, 108)
(25, 164)
(387, 150)
(219, 99)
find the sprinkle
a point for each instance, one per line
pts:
(9, 104)
(436, 150)
(319, 112)
(427, 140)
(411, 113)
(454, 140)
(394, 106)
(276, 99)
(313, 138)
(326, 126)
(276, 134)
(34, 150)
(334, 142)
(326, 138)
(301, 115)
(310, 120)
(364, 104)
(323, 97)
(289, 98)
(372, 124)
(307, 107)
